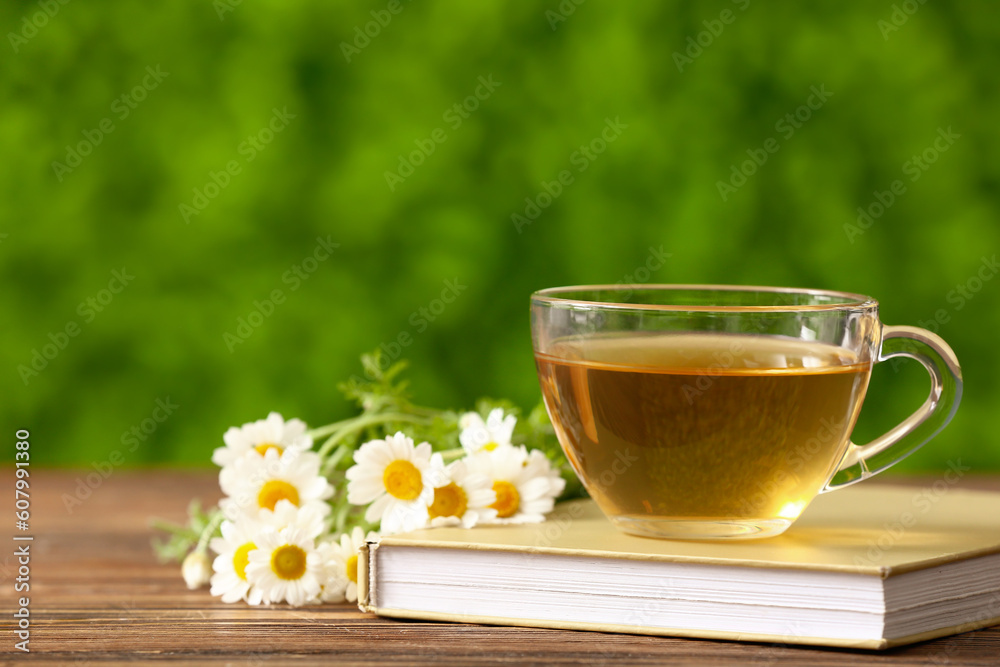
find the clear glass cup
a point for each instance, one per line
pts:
(711, 411)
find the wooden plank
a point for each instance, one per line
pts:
(99, 597)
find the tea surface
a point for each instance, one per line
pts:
(702, 427)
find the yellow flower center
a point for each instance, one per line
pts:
(402, 480)
(508, 499)
(490, 446)
(276, 490)
(264, 446)
(240, 559)
(449, 500)
(352, 568)
(288, 562)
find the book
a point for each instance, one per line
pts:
(870, 566)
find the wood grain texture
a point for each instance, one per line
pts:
(99, 597)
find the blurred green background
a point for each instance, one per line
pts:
(203, 148)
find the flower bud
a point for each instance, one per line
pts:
(197, 569)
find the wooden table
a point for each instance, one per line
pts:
(98, 596)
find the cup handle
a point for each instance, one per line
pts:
(862, 461)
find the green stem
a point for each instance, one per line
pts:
(173, 528)
(341, 522)
(452, 454)
(426, 412)
(331, 463)
(328, 429)
(209, 530)
(364, 421)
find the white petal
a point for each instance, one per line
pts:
(376, 510)
(363, 491)
(536, 507)
(254, 596)
(422, 454)
(558, 484)
(534, 488)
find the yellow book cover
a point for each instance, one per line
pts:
(870, 566)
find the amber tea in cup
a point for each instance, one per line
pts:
(705, 411)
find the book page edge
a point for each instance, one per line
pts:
(959, 629)
(876, 644)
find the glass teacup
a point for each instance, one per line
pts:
(703, 411)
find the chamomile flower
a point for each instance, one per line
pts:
(261, 436)
(257, 484)
(310, 518)
(233, 548)
(525, 485)
(461, 498)
(538, 465)
(392, 475)
(285, 567)
(468, 419)
(478, 435)
(341, 563)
